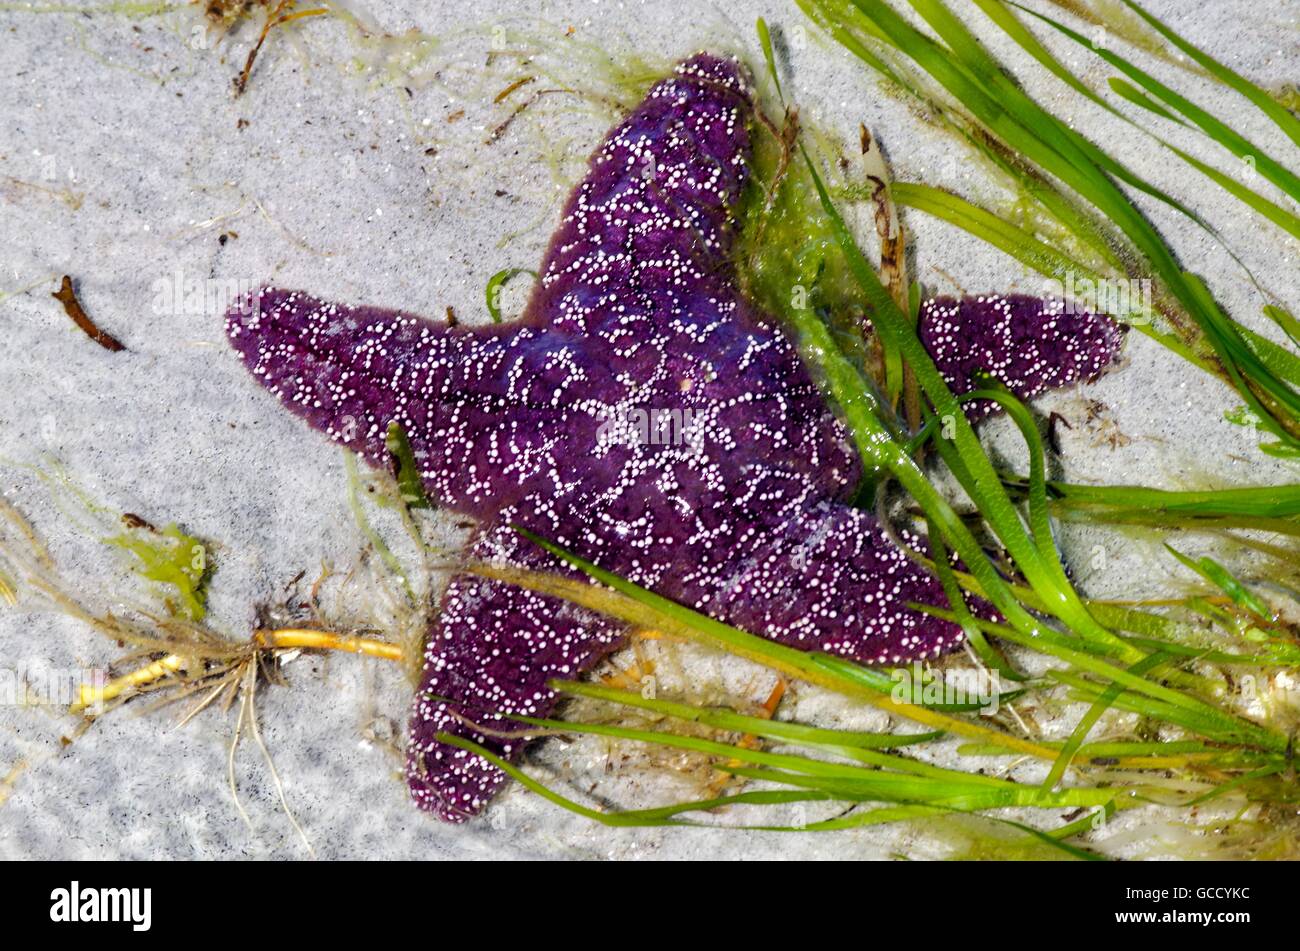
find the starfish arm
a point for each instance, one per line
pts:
(820, 577)
(493, 414)
(826, 577)
(490, 654)
(1031, 345)
(488, 411)
(648, 231)
(764, 551)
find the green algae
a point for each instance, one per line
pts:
(787, 256)
(177, 562)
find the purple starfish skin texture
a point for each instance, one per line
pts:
(642, 415)
(1029, 344)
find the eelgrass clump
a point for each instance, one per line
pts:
(1077, 183)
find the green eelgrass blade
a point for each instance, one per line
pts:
(1266, 103)
(640, 607)
(1274, 212)
(1273, 655)
(1064, 209)
(933, 792)
(765, 41)
(1083, 824)
(1276, 173)
(409, 483)
(1090, 718)
(1216, 574)
(1210, 721)
(763, 797)
(1224, 788)
(1154, 632)
(1127, 90)
(910, 774)
(1223, 334)
(1039, 519)
(1090, 691)
(1273, 509)
(1044, 192)
(492, 292)
(661, 816)
(1278, 359)
(891, 776)
(1010, 24)
(961, 613)
(996, 11)
(1008, 21)
(1282, 501)
(1139, 748)
(1181, 523)
(774, 797)
(998, 232)
(1193, 713)
(1030, 181)
(1052, 643)
(722, 718)
(1167, 754)
(975, 70)
(1280, 216)
(1206, 721)
(1283, 318)
(884, 814)
(859, 49)
(866, 817)
(666, 815)
(1057, 842)
(510, 769)
(849, 672)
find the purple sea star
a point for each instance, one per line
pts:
(642, 415)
